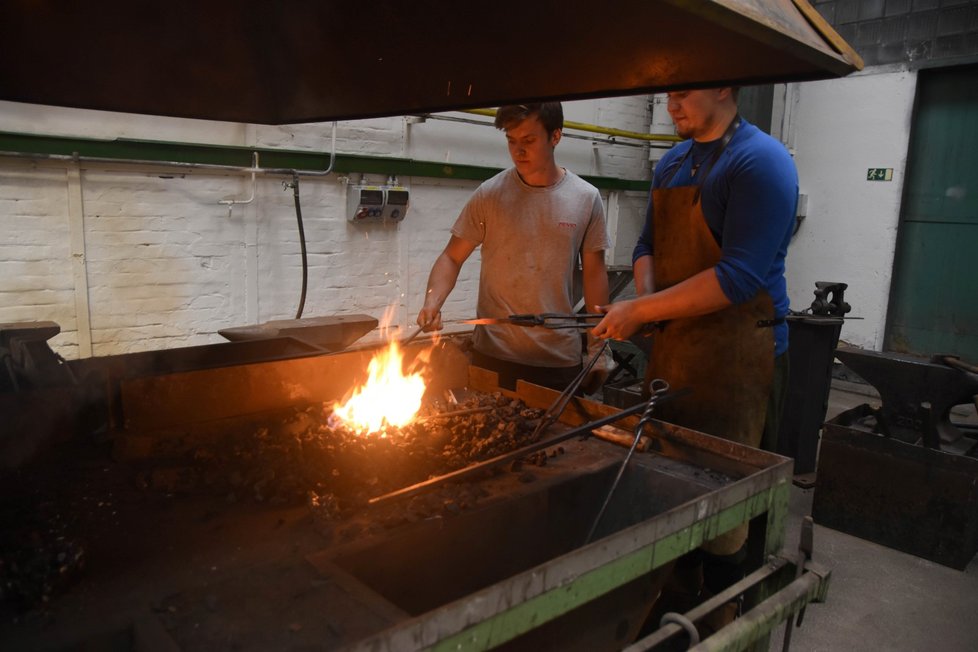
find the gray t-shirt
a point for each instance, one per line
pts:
(531, 239)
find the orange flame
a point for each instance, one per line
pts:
(388, 398)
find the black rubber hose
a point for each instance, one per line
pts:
(302, 243)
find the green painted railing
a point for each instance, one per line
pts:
(124, 150)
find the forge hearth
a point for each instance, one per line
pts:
(460, 564)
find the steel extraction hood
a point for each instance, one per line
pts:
(314, 60)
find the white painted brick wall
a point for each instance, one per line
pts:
(35, 255)
(851, 229)
(166, 266)
(160, 255)
(632, 206)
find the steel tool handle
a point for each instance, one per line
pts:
(658, 388)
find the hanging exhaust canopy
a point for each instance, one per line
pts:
(315, 60)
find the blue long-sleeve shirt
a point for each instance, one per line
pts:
(749, 200)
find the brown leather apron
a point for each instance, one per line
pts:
(725, 357)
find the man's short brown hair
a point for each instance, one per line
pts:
(551, 115)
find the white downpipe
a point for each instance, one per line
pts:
(79, 264)
(661, 124)
(231, 202)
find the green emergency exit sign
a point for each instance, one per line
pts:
(879, 174)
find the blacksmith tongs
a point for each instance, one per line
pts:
(546, 320)
(578, 320)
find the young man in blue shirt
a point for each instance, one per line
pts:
(723, 244)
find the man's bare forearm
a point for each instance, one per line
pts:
(441, 282)
(644, 276)
(595, 280)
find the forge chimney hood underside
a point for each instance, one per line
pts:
(308, 61)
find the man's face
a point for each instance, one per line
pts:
(695, 112)
(531, 147)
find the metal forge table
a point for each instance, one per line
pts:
(181, 572)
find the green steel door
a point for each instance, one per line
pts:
(934, 297)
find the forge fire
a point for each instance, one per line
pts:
(389, 398)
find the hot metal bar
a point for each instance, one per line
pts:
(455, 413)
(411, 336)
(517, 454)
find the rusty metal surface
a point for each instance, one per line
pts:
(330, 333)
(312, 61)
(907, 497)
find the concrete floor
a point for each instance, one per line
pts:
(879, 598)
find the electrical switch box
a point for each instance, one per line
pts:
(377, 203)
(365, 203)
(396, 203)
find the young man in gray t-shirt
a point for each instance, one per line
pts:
(533, 221)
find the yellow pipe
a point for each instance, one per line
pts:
(608, 131)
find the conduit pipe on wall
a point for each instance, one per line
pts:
(231, 202)
(231, 158)
(254, 169)
(594, 141)
(332, 158)
(608, 131)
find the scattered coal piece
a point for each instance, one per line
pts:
(302, 457)
(39, 558)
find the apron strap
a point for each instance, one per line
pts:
(724, 141)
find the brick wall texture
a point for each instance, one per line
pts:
(918, 32)
(165, 265)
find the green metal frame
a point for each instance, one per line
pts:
(125, 150)
(656, 543)
(545, 607)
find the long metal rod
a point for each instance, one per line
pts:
(455, 413)
(659, 388)
(560, 404)
(411, 336)
(517, 454)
